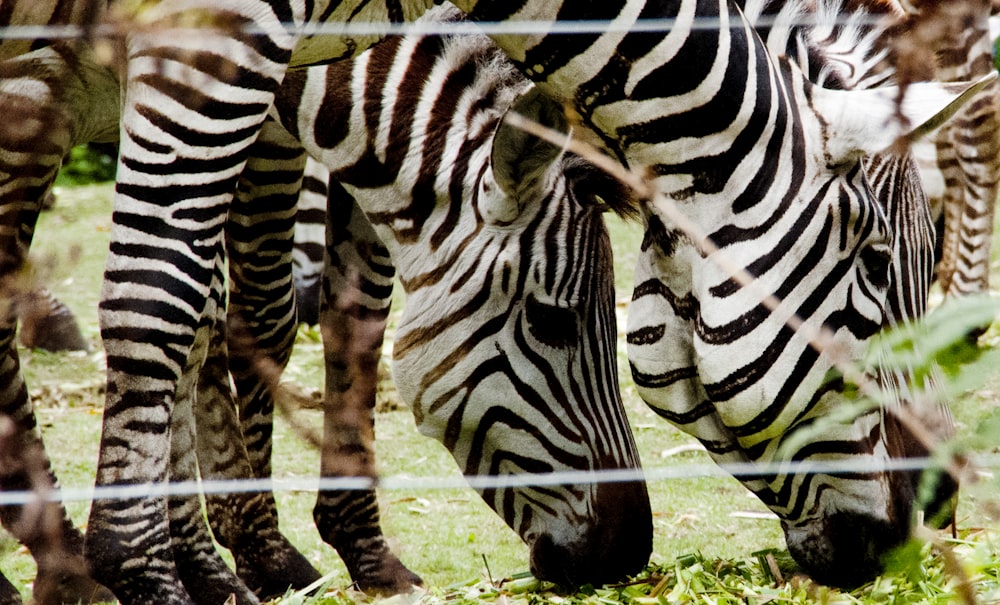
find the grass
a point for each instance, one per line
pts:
(707, 529)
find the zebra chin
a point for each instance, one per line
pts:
(615, 545)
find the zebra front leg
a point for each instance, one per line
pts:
(357, 293)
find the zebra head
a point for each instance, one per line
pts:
(506, 353)
(797, 213)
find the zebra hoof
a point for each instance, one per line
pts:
(376, 570)
(270, 572)
(68, 583)
(391, 578)
(51, 332)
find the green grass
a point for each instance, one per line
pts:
(702, 538)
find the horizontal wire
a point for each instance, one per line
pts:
(400, 482)
(478, 482)
(512, 27)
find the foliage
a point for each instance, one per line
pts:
(917, 575)
(85, 165)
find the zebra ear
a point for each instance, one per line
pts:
(521, 162)
(870, 121)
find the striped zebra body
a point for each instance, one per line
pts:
(616, 82)
(768, 183)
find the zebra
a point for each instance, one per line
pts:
(542, 315)
(694, 365)
(581, 73)
(450, 198)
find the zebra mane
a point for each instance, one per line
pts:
(590, 184)
(836, 43)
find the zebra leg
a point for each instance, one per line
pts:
(205, 575)
(245, 523)
(174, 185)
(262, 307)
(30, 155)
(357, 293)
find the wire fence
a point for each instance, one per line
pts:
(452, 28)
(983, 465)
(821, 341)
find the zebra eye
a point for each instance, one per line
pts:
(551, 325)
(876, 260)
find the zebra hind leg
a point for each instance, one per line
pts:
(205, 576)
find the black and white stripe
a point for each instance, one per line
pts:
(764, 160)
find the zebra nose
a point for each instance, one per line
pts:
(846, 549)
(617, 544)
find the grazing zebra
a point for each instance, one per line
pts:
(577, 302)
(616, 82)
(708, 355)
(502, 332)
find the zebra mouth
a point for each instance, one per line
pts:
(614, 544)
(845, 550)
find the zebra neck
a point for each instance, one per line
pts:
(664, 101)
